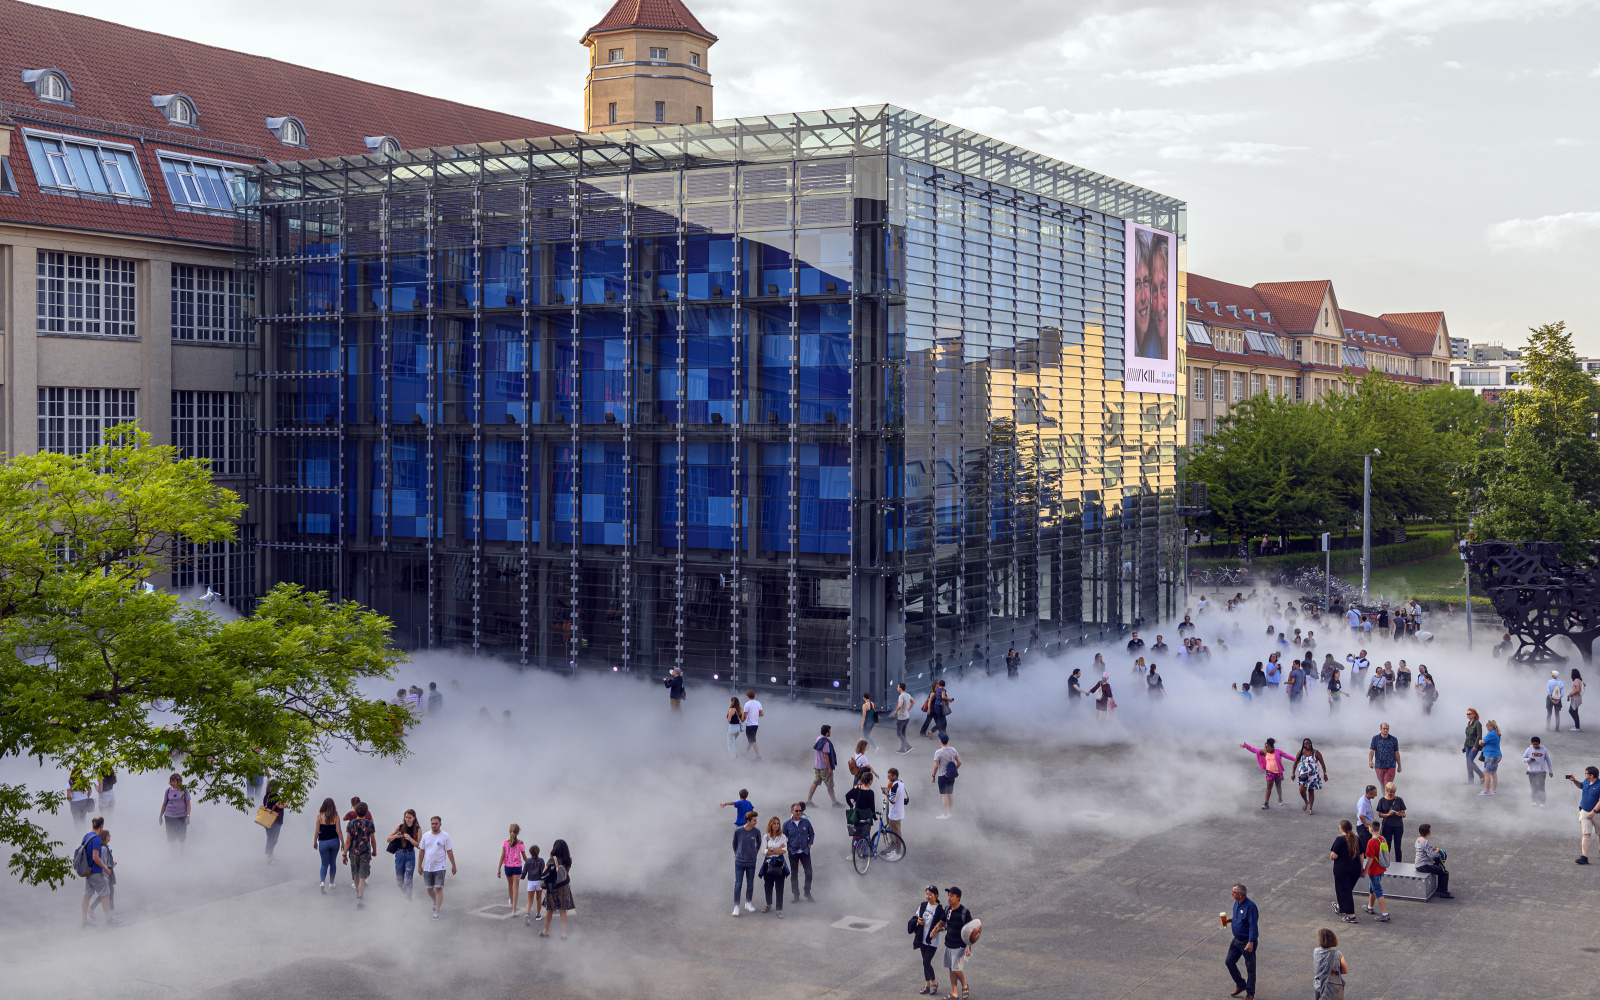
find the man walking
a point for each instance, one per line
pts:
(746, 848)
(1159, 647)
(957, 945)
(1246, 921)
(1383, 756)
(436, 847)
(824, 759)
(1297, 685)
(946, 763)
(359, 834)
(1540, 767)
(1588, 802)
(801, 836)
(674, 685)
(902, 716)
(752, 721)
(939, 704)
(1135, 644)
(97, 882)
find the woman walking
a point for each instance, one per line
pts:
(1392, 813)
(1104, 704)
(774, 864)
(1328, 967)
(270, 802)
(328, 841)
(1574, 699)
(1345, 853)
(533, 875)
(930, 914)
(1427, 690)
(735, 727)
(175, 809)
(869, 718)
(1472, 744)
(1310, 771)
(512, 854)
(557, 887)
(403, 843)
(1270, 759)
(1491, 757)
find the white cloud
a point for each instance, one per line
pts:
(1232, 153)
(1452, 64)
(1547, 232)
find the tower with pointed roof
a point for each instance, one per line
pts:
(648, 65)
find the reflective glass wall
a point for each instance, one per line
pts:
(790, 403)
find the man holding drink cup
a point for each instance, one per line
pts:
(1245, 921)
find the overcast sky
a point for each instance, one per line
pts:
(1423, 154)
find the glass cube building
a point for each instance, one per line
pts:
(808, 403)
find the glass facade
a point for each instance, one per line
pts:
(810, 403)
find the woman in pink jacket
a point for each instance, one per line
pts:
(1270, 759)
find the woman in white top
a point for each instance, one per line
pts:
(774, 864)
(860, 759)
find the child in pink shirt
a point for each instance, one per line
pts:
(1270, 759)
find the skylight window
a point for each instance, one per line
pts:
(201, 184)
(69, 164)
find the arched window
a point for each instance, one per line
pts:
(49, 85)
(182, 112)
(291, 133)
(51, 88)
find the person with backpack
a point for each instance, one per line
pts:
(858, 761)
(1378, 861)
(91, 866)
(946, 766)
(929, 914)
(824, 760)
(1430, 860)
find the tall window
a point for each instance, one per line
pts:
(71, 420)
(1219, 384)
(1255, 385)
(229, 568)
(71, 164)
(208, 303)
(1238, 386)
(83, 294)
(699, 113)
(611, 112)
(1199, 432)
(219, 426)
(661, 111)
(694, 59)
(1200, 384)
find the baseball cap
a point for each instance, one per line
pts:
(954, 889)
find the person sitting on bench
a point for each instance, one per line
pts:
(1430, 860)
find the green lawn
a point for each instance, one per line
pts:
(1440, 575)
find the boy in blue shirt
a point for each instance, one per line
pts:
(741, 805)
(1589, 801)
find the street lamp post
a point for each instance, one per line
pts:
(1366, 524)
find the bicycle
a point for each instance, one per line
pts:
(864, 849)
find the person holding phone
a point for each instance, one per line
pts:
(1588, 802)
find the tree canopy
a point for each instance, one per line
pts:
(1280, 466)
(98, 673)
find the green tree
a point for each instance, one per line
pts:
(96, 672)
(1265, 468)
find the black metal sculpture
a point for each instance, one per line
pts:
(1539, 597)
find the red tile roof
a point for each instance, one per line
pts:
(670, 15)
(114, 70)
(1419, 332)
(1209, 290)
(1296, 305)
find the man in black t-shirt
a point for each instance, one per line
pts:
(1135, 644)
(956, 948)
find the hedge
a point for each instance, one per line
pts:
(1436, 602)
(1346, 560)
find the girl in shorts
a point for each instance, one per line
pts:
(512, 851)
(533, 873)
(1491, 756)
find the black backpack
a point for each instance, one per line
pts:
(80, 857)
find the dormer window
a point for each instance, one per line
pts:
(386, 146)
(1251, 313)
(288, 130)
(178, 109)
(48, 85)
(1234, 310)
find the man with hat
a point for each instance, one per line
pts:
(961, 930)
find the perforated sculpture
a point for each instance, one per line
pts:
(1539, 597)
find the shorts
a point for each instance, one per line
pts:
(750, 733)
(1375, 885)
(1491, 765)
(513, 873)
(955, 958)
(822, 776)
(1585, 823)
(433, 880)
(96, 885)
(360, 866)
(947, 785)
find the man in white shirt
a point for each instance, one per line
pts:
(752, 719)
(1366, 813)
(1354, 618)
(1554, 694)
(1357, 665)
(436, 847)
(1200, 605)
(902, 716)
(894, 793)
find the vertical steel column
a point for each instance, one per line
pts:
(627, 427)
(682, 454)
(430, 403)
(574, 419)
(738, 500)
(528, 375)
(339, 290)
(794, 497)
(385, 370)
(477, 417)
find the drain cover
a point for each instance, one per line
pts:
(862, 924)
(499, 911)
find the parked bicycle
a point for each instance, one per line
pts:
(880, 843)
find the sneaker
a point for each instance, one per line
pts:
(736, 909)
(361, 904)
(1369, 909)
(436, 914)
(1383, 918)
(1582, 859)
(809, 899)
(322, 887)
(1349, 919)
(749, 906)
(780, 914)
(838, 805)
(1446, 895)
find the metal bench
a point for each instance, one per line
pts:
(1404, 882)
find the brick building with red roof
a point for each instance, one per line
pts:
(1292, 338)
(120, 152)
